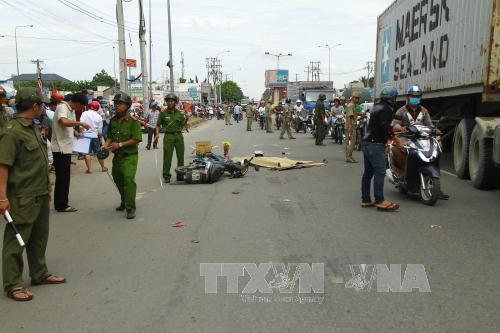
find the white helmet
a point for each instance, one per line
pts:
(298, 101)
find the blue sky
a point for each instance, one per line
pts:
(201, 29)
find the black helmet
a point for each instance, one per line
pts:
(102, 154)
(388, 92)
(122, 97)
(172, 96)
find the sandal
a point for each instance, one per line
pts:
(14, 294)
(387, 206)
(68, 209)
(105, 169)
(88, 172)
(51, 279)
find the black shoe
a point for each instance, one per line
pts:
(180, 178)
(120, 208)
(148, 147)
(166, 180)
(443, 196)
(131, 214)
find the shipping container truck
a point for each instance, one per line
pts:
(451, 49)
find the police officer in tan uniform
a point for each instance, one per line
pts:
(287, 118)
(351, 125)
(25, 193)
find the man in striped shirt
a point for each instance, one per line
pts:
(151, 120)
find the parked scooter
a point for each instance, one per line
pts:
(262, 119)
(362, 124)
(279, 119)
(301, 123)
(420, 176)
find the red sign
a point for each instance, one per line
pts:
(131, 63)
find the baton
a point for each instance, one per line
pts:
(156, 166)
(8, 218)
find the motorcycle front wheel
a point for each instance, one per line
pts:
(429, 195)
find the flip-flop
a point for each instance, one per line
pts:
(387, 206)
(17, 291)
(47, 280)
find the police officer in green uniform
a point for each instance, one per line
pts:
(269, 116)
(250, 113)
(172, 120)
(3, 113)
(287, 118)
(124, 135)
(25, 193)
(319, 119)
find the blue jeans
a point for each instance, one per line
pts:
(375, 166)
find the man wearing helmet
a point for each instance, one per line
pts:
(172, 120)
(373, 144)
(351, 124)
(287, 118)
(411, 113)
(250, 110)
(124, 135)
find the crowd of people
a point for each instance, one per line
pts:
(37, 133)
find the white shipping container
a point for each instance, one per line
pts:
(448, 47)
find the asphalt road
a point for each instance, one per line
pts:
(144, 275)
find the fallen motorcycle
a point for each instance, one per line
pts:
(209, 169)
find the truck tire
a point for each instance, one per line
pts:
(461, 141)
(483, 172)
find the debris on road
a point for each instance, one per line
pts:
(280, 164)
(178, 224)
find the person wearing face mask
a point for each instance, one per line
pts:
(411, 113)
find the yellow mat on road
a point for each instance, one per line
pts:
(279, 163)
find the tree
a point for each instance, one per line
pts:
(103, 79)
(367, 83)
(182, 80)
(267, 94)
(231, 92)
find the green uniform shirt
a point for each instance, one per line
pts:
(269, 111)
(124, 130)
(250, 111)
(350, 111)
(3, 117)
(319, 111)
(24, 152)
(172, 122)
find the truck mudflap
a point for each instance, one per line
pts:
(496, 147)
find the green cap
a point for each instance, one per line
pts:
(30, 95)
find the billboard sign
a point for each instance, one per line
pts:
(276, 78)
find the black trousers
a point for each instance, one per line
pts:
(151, 134)
(62, 165)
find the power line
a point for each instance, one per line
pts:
(60, 39)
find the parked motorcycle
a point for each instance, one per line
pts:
(262, 120)
(279, 119)
(420, 176)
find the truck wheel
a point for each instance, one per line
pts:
(461, 141)
(483, 173)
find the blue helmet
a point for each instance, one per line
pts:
(388, 92)
(415, 91)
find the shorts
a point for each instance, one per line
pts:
(94, 146)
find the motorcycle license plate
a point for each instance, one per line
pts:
(195, 176)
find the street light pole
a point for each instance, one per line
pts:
(278, 56)
(219, 77)
(15, 38)
(326, 46)
(171, 62)
(114, 67)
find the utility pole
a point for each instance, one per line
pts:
(297, 77)
(182, 64)
(122, 55)
(38, 73)
(150, 54)
(171, 62)
(212, 69)
(315, 70)
(308, 70)
(114, 67)
(370, 66)
(144, 63)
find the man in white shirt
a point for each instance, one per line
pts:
(237, 112)
(94, 119)
(62, 147)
